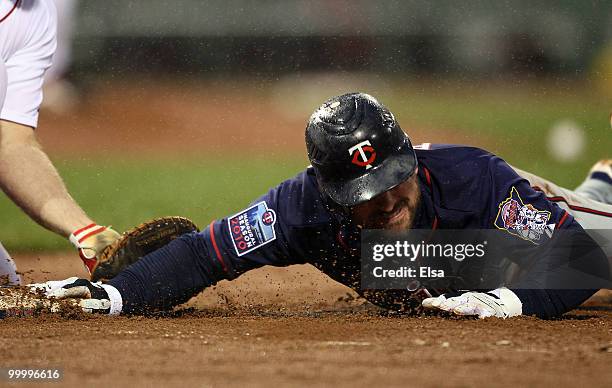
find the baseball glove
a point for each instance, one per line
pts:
(137, 242)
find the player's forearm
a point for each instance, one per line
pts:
(29, 178)
(169, 276)
(549, 304)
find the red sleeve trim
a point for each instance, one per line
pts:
(214, 243)
(580, 208)
(427, 176)
(341, 241)
(562, 220)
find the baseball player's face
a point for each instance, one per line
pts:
(392, 210)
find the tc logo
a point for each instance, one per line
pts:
(268, 217)
(360, 158)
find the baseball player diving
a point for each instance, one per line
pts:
(365, 174)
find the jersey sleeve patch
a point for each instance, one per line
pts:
(252, 228)
(523, 220)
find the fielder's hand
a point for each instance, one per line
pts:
(93, 297)
(499, 303)
(91, 241)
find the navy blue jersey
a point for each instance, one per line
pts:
(461, 187)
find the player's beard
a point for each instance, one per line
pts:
(401, 217)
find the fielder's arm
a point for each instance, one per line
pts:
(29, 178)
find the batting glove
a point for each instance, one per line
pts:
(50, 286)
(499, 303)
(94, 297)
(91, 241)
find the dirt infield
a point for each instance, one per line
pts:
(294, 327)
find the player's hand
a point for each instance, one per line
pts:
(93, 297)
(91, 241)
(499, 303)
(50, 286)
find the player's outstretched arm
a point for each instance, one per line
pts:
(158, 281)
(169, 276)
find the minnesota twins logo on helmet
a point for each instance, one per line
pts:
(360, 152)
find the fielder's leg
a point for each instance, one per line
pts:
(598, 185)
(590, 213)
(8, 270)
(594, 216)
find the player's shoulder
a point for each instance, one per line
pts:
(445, 156)
(303, 182)
(299, 200)
(439, 148)
(461, 167)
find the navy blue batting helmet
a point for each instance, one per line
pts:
(357, 149)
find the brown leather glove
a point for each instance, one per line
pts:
(137, 242)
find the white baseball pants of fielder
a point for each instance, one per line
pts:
(8, 270)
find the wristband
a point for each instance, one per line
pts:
(79, 235)
(115, 298)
